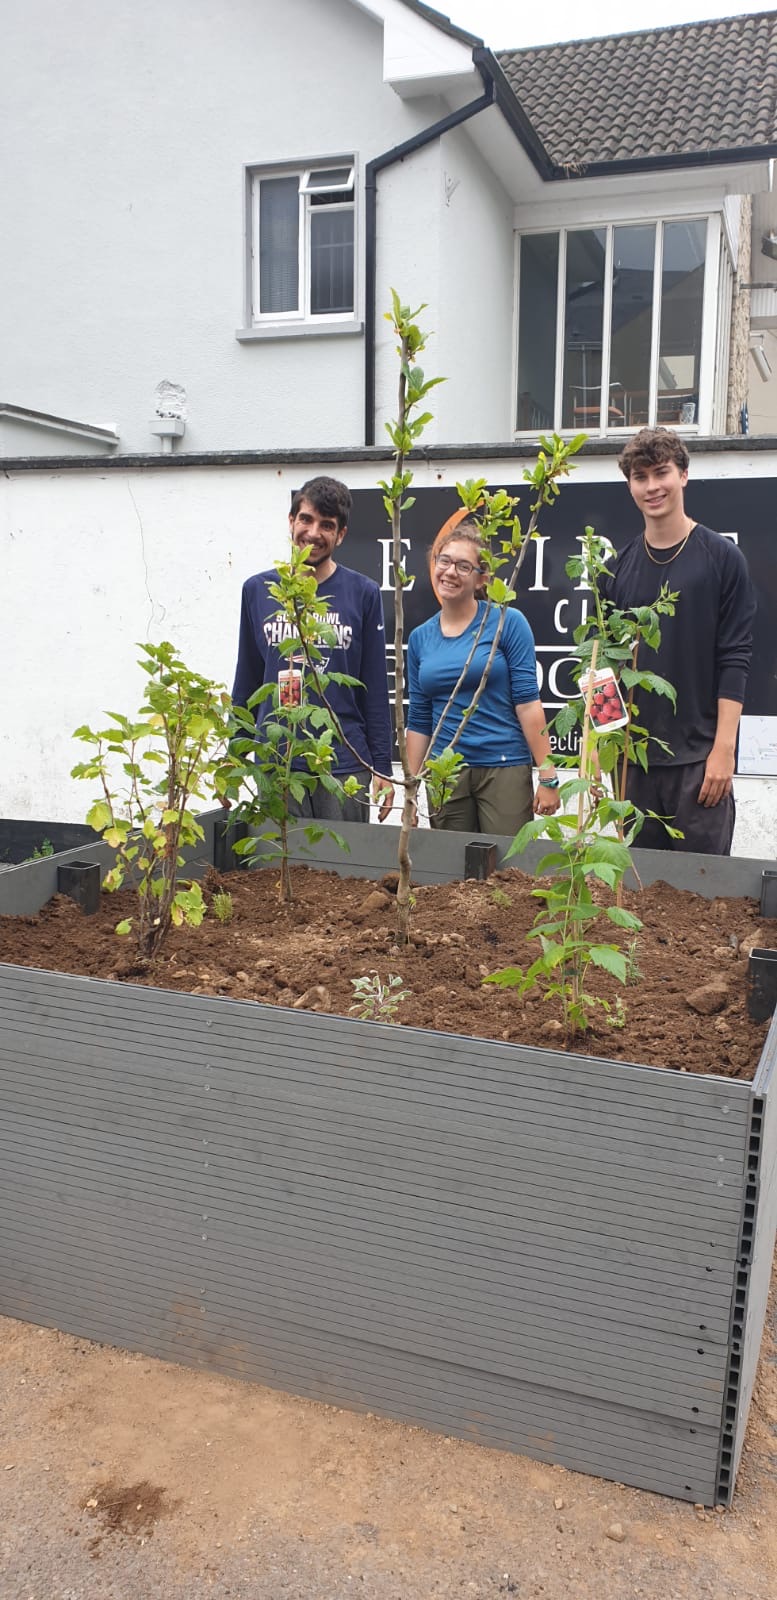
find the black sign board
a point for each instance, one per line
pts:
(744, 509)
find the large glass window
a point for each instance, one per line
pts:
(682, 292)
(624, 302)
(583, 327)
(303, 243)
(537, 313)
(633, 257)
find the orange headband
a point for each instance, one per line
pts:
(446, 529)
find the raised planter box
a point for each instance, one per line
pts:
(18, 838)
(540, 1251)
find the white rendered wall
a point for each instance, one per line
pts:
(126, 136)
(95, 562)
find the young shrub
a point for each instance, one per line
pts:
(292, 750)
(505, 543)
(168, 756)
(222, 906)
(591, 839)
(375, 1001)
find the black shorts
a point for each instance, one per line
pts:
(673, 792)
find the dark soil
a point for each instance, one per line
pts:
(686, 1008)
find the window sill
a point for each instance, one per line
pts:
(325, 328)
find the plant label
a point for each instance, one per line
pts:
(607, 707)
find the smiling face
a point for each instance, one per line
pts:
(658, 490)
(453, 581)
(318, 531)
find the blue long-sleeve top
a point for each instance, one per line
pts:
(492, 737)
(705, 647)
(355, 611)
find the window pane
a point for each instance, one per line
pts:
(682, 290)
(329, 178)
(583, 322)
(279, 244)
(331, 261)
(537, 295)
(632, 318)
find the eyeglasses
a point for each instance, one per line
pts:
(464, 568)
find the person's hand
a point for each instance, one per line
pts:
(546, 801)
(383, 797)
(718, 774)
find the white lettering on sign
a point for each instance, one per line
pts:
(560, 627)
(539, 562)
(733, 536)
(387, 567)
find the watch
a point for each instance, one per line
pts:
(549, 783)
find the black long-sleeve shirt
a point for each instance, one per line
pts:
(705, 647)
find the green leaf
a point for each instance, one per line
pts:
(99, 816)
(124, 927)
(612, 960)
(506, 978)
(623, 918)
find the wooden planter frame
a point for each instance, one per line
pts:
(544, 1252)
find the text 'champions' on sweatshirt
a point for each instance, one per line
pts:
(355, 612)
(493, 736)
(705, 647)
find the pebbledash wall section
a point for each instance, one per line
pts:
(101, 554)
(539, 1251)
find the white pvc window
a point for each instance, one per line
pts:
(610, 324)
(303, 243)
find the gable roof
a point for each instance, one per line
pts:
(667, 96)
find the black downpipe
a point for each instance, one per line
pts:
(389, 157)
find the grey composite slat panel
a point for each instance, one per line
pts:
(116, 1084)
(758, 1242)
(606, 1439)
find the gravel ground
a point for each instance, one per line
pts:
(123, 1478)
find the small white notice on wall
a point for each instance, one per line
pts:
(758, 746)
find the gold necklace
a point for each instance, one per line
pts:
(678, 551)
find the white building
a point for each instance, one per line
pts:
(203, 217)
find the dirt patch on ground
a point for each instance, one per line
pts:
(685, 1006)
(133, 1509)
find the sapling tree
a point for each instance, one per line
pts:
(505, 543)
(291, 751)
(167, 756)
(592, 835)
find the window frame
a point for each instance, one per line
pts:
(302, 318)
(709, 319)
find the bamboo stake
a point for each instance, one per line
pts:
(585, 741)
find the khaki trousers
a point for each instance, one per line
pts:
(488, 800)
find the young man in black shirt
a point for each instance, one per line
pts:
(704, 652)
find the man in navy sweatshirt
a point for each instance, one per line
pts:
(704, 652)
(318, 522)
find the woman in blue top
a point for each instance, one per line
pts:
(507, 731)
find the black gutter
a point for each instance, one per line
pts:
(379, 164)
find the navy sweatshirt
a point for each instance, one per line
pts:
(355, 611)
(705, 647)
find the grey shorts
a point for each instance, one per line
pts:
(496, 800)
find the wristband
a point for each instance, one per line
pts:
(548, 783)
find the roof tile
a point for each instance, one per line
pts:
(701, 88)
